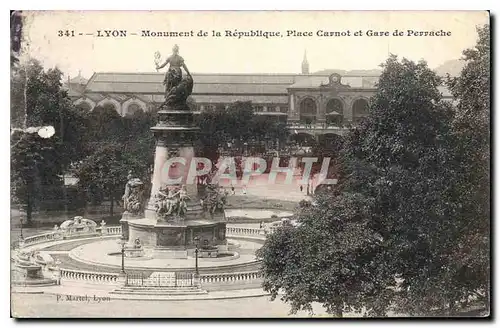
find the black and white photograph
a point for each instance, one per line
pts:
(250, 164)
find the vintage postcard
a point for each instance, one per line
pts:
(204, 164)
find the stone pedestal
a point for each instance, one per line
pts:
(121, 279)
(175, 136)
(134, 252)
(170, 253)
(208, 253)
(172, 237)
(29, 271)
(126, 216)
(179, 236)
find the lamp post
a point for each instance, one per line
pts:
(197, 240)
(122, 243)
(21, 220)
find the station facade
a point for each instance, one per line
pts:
(314, 104)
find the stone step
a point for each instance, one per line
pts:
(160, 288)
(159, 291)
(34, 283)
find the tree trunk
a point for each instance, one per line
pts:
(29, 210)
(111, 204)
(338, 312)
(452, 309)
(85, 204)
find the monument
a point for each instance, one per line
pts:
(173, 220)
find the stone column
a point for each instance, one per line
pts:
(187, 153)
(292, 113)
(175, 134)
(348, 108)
(321, 113)
(161, 156)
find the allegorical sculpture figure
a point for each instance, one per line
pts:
(215, 199)
(171, 202)
(177, 87)
(133, 198)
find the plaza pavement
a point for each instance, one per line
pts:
(260, 186)
(76, 288)
(48, 306)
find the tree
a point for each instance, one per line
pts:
(115, 145)
(106, 170)
(38, 164)
(390, 215)
(237, 125)
(31, 170)
(332, 258)
(471, 90)
(408, 138)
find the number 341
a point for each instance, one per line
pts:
(68, 33)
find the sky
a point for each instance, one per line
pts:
(228, 54)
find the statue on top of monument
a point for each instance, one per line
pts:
(177, 87)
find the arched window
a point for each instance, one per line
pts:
(334, 112)
(84, 106)
(359, 110)
(308, 111)
(132, 109)
(109, 106)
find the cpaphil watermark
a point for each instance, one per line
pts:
(181, 170)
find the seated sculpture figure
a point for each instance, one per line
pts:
(133, 198)
(170, 203)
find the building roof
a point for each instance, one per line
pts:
(72, 93)
(151, 83)
(259, 88)
(78, 80)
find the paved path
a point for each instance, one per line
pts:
(261, 187)
(257, 214)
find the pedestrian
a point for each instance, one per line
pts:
(244, 190)
(232, 189)
(301, 188)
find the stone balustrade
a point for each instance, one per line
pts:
(244, 231)
(273, 229)
(317, 126)
(87, 276)
(43, 238)
(117, 230)
(59, 235)
(114, 230)
(218, 278)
